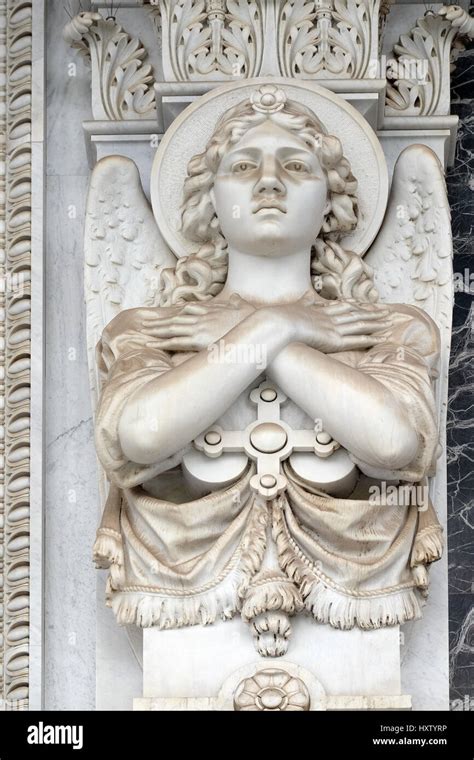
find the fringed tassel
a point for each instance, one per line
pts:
(271, 599)
(295, 567)
(254, 544)
(271, 593)
(422, 579)
(108, 549)
(340, 610)
(428, 543)
(168, 609)
(146, 609)
(329, 606)
(271, 632)
(428, 546)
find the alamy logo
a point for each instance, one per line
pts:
(238, 353)
(46, 734)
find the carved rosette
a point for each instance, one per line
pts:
(272, 690)
(15, 295)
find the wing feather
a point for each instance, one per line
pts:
(124, 251)
(412, 262)
(412, 254)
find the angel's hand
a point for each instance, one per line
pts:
(197, 325)
(336, 326)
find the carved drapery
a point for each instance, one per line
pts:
(15, 229)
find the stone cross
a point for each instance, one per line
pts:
(268, 441)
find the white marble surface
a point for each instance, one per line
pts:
(424, 648)
(71, 490)
(119, 672)
(346, 663)
(70, 604)
(70, 579)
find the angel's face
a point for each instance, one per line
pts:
(270, 193)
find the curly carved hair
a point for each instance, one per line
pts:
(336, 272)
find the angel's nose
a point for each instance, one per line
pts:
(269, 181)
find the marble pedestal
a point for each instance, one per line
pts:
(204, 667)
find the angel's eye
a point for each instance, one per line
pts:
(242, 167)
(297, 166)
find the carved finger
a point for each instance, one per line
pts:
(361, 316)
(354, 342)
(170, 331)
(181, 320)
(195, 308)
(155, 315)
(373, 307)
(175, 344)
(364, 327)
(338, 307)
(205, 307)
(234, 300)
(309, 298)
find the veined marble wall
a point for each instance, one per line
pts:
(71, 482)
(460, 425)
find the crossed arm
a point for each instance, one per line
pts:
(169, 411)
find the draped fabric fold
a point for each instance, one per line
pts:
(348, 562)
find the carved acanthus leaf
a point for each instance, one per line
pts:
(214, 39)
(418, 79)
(122, 85)
(332, 38)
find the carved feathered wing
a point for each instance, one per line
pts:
(124, 257)
(124, 251)
(412, 260)
(412, 254)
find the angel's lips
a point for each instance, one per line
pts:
(270, 206)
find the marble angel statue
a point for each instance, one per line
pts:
(259, 397)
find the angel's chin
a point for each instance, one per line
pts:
(269, 230)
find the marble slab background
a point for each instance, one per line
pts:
(70, 482)
(460, 424)
(71, 491)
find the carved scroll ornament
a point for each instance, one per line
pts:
(122, 84)
(419, 77)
